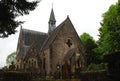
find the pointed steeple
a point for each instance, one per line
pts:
(52, 16)
(52, 22)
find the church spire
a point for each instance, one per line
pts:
(52, 21)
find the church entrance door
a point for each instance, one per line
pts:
(66, 70)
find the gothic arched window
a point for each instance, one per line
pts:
(35, 63)
(32, 63)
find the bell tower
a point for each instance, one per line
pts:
(52, 22)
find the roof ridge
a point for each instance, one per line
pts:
(32, 31)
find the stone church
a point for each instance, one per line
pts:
(59, 50)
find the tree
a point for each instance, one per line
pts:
(10, 58)
(84, 37)
(90, 45)
(9, 10)
(109, 40)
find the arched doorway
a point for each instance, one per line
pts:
(67, 64)
(66, 70)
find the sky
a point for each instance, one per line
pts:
(84, 14)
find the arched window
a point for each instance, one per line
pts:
(29, 63)
(18, 60)
(32, 63)
(35, 63)
(44, 63)
(78, 63)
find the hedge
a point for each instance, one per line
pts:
(17, 76)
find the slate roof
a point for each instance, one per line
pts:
(23, 51)
(28, 38)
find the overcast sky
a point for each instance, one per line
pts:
(84, 14)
